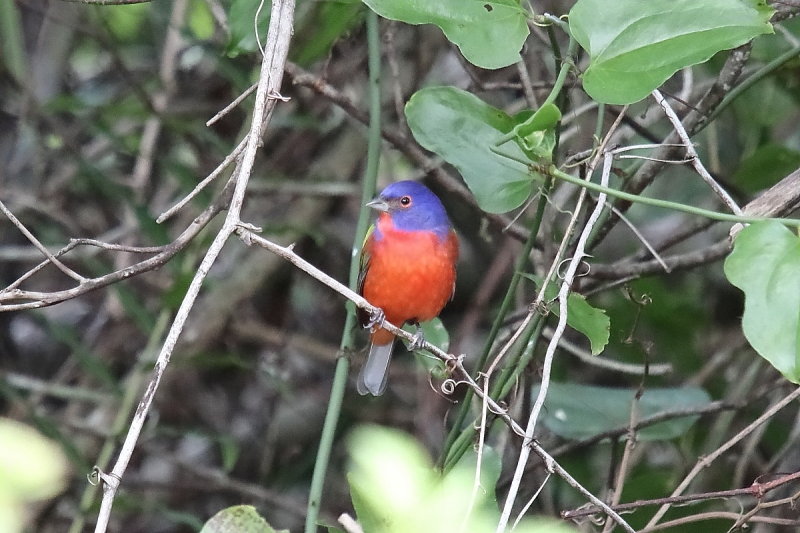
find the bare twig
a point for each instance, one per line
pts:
(276, 49)
(694, 159)
(704, 462)
(230, 158)
(35, 299)
(39, 246)
(227, 109)
(756, 490)
(349, 524)
(563, 293)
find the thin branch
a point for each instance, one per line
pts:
(659, 369)
(230, 158)
(41, 247)
(563, 294)
(704, 462)
(693, 157)
(757, 490)
(227, 109)
(278, 38)
(35, 299)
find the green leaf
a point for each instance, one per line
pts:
(535, 133)
(201, 21)
(636, 45)
(581, 316)
(395, 488)
(463, 130)
(576, 411)
(316, 32)
(489, 33)
(31, 467)
(239, 519)
(765, 265)
(241, 17)
(435, 333)
(764, 168)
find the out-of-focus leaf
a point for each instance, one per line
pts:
(316, 32)
(576, 411)
(239, 519)
(765, 265)
(463, 130)
(241, 16)
(490, 33)
(768, 165)
(32, 468)
(125, 21)
(201, 22)
(396, 490)
(635, 46)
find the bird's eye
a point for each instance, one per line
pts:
(405, 201)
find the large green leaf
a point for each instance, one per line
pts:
(489, 34)
(636, 45)
(576, 411)
(463, 130)
(765, 264)
(395, 489)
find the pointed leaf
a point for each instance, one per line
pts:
(463, 130)
(489, 34)
(765, 264)
(636, 45)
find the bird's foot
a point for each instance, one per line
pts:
(418, 340)
(376, 319)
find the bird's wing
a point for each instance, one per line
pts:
(363, 316)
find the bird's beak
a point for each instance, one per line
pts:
(378, 205)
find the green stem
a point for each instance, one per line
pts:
(505, 306)
(655, 202)
(458, 434)
(368, 191)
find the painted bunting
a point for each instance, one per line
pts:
(408, 269)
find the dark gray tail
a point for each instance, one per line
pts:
(373, 375)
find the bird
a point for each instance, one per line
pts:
(408, 270)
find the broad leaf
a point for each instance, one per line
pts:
(576, 411)
(765, 264)
(464, 130)
(395, 489)
(636, 45)
(489, 34)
